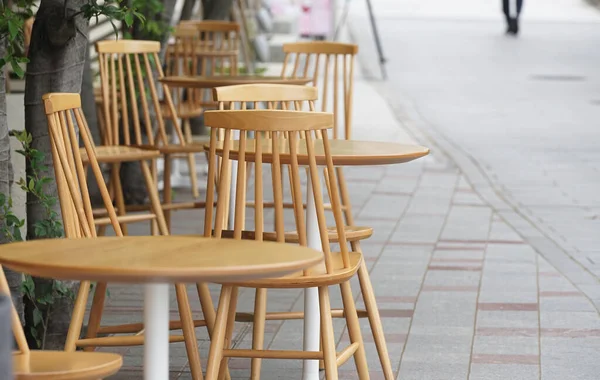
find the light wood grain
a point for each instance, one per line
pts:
(156, 259)
(60, 365)
(217, 81)
(127, 46)
(321, 47)
(265, 92)
(268, 120)
(343, 152)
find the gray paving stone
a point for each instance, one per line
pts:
(505, 318)
(422, 370)
(503, 371)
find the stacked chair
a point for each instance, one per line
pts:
(205, 48)
(125, 72)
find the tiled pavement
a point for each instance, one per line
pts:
(461, 294)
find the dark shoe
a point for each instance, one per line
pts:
(511, 27)
(515, 26)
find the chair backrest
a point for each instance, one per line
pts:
(294, 141)
(66, 126)
(182, 59)
(331, 65)
(15, 320)
(129, 74)
(269, 96)
(218, 50)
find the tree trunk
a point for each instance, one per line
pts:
(216, 9)
(6, 180)
(188, 10)
(57, 58)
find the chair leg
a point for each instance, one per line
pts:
(327, 335)
(187, 129)
(77, 318)
(374, 320)
(189, 333)
(119, 199)
(360, 358)
(153, 223)
(208, 309)
(224, 368)
(154, 200)
(96, 312)
(345, 196)
(167, 191)
(258, 332)
(218, 336)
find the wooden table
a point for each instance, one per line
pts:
(227, 80)
(209, 82)
(156, 261)
(344, 153)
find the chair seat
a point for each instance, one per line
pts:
(185, 110)
(317, 277)
(353, 233)
(115, 154)
(61, 365)
(177, 148)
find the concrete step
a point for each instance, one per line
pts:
(288, 23)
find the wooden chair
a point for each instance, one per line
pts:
(65, 118)
(125, 68)
(331, 65)
(338, 268)
(57, 365)
(295, 98)
(204, 48)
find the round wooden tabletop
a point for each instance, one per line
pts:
(226, 80)
(343, 152)
(140, 259)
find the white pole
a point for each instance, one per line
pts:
(156, 332)
(234, 172)
(312, 316)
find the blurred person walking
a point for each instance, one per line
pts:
(512, 10)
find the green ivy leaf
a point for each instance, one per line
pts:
(13, 28)
(12, 220)
(128, 19)
(28, 286)
(37, 317)
(2, 199)
(17, 68)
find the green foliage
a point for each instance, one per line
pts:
(152, 26)
(112, 9)
(46, 296)
(13, 18)
(11, 31)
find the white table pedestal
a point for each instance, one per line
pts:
(312, 316)
(156, 332)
